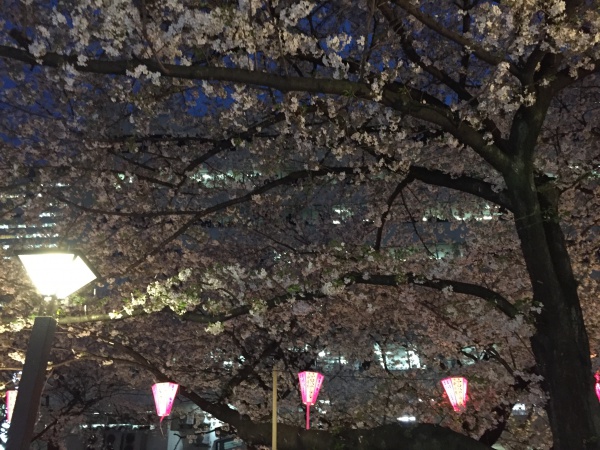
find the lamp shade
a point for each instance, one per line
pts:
(597, 375)
(310, 384)
(57, 274)
(164, 396)
(11, 398)
(456, 388)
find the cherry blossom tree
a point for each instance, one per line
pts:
(278, 185)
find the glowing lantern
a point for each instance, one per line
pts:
(456, 388)
(310, 384)
(56, 273)
(11, 398)
(164, 396)
(597, 375)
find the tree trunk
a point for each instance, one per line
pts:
(560, 343)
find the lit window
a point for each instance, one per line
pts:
(397, 357)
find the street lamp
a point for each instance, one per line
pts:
(55, 274)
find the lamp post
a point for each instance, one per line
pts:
(274, 413)
(55, 274)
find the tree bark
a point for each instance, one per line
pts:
(560, 343)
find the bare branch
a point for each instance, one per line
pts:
(390, 202)
(436, 26)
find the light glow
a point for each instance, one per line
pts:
(407, 418)
(310, 385)
(11, 398)
(164, 396)
(57, 274)
(456, 388)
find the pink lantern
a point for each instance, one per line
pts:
(310, 384)
(597, 375)
(456, 388)
(11, 398)
(164, 396)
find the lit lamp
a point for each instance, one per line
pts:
(310, 384)
(456, 388)
(11, 397)
(55, 274)
(597, 376)
(164, 396)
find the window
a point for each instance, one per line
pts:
(397, 357)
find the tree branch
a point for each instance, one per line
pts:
(462, 183)
(402, 98)
(492, 297)
(290, 178)
(409, 50)
(387, 437)
(390, 202)
(465, 43)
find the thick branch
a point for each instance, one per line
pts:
(462, 183)
(70, 320)
(387, 437)
(492, 297)
(403, 99)
(563, 79)
(242, 76)
(500, 302)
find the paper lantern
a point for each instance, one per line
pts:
(456, 388)
(597, 375)
(164, 396)
(310, 384)
(11, 398)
